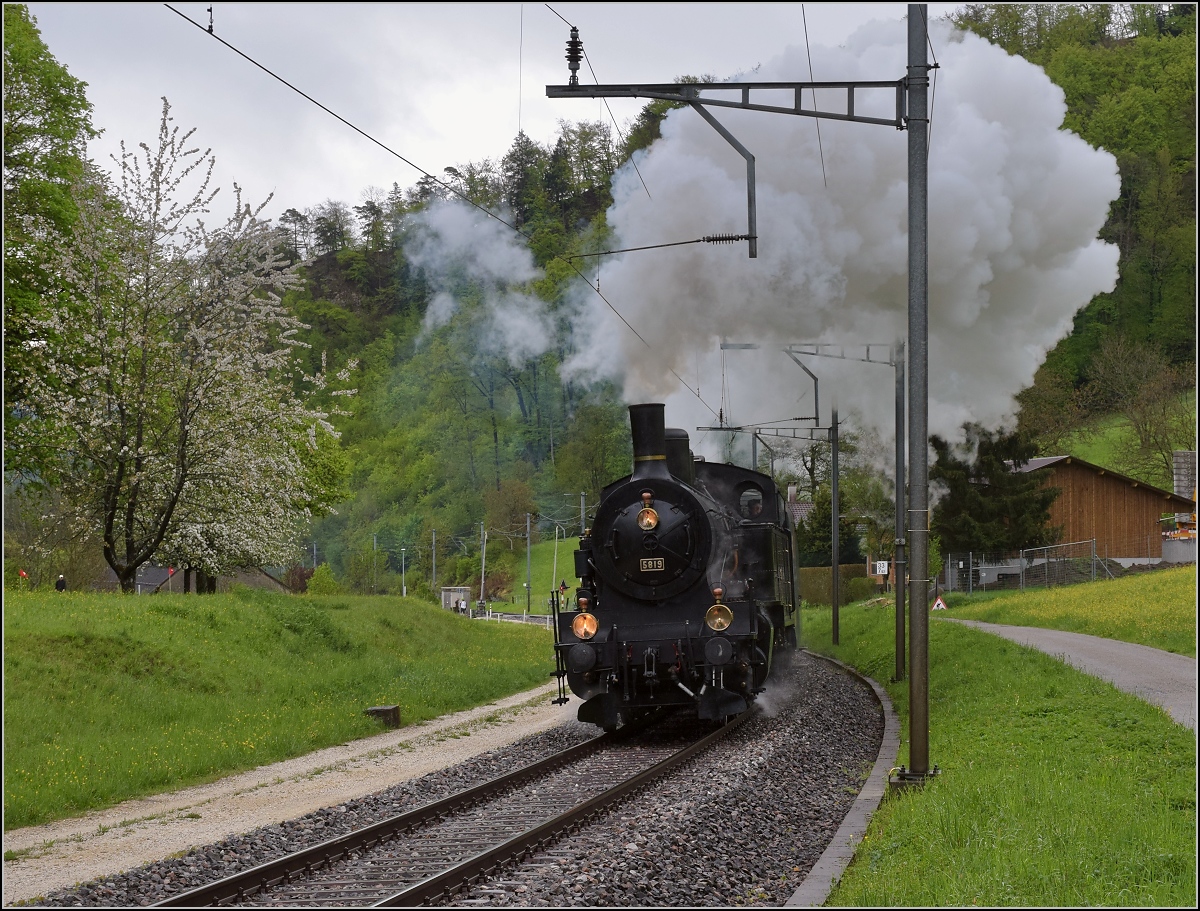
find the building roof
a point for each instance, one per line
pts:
(1051, 461)
(799, 511)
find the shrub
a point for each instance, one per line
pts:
(860, 589)
(322, 581)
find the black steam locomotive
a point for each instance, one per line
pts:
(687, 586)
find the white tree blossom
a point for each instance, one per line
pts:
(169, 416)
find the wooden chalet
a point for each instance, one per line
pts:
(1124, 515)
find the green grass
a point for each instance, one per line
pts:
(1101, 442)
(1156, 609)
(108, 697)
(1055, 789)
(542, 567)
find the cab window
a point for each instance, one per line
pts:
(750, 503)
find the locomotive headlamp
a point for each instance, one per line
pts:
(584, 626)
(584, 602)
(718, 617)
(718, 592)
(647, 519)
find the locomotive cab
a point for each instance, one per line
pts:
(686, 586)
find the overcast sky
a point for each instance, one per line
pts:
(440, 83)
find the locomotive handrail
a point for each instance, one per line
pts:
(560, 664)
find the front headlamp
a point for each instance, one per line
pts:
(584, 626)
(718, 617)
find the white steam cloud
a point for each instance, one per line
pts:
(1015, 207)
(462, 251)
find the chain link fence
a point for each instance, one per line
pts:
(1043, 567)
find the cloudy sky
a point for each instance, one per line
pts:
(1016, 202)
(439, 83)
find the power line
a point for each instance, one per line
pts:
(339, 117)
(811, 78)
(605, 100)
(442, 183)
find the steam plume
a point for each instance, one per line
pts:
(1015, 207)
(463, 252)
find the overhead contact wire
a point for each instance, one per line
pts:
(356, 129)
(442, 183)
(811, 78)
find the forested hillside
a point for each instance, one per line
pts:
(459, 424)
(1129, 76)
(466, 414)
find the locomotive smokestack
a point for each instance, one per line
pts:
(647, 424)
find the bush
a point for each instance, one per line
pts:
(860, 589)
(322, 581)
(816, 583)
(296, 578)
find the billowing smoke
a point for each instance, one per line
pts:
(1015, 207)
(474, 263)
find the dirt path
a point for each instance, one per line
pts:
(70, 851)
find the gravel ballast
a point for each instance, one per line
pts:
(741, 824)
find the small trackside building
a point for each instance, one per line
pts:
(1124, 515)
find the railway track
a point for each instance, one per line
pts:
(437, 849)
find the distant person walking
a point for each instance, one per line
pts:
(61, 584)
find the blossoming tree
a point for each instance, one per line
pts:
(172, 413)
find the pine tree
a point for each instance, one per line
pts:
(987, 504)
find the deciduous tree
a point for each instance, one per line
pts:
(167, 415)
(47, 122)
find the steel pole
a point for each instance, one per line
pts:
(918, 387)
(482, 563)
(837, 576)
(898, 564)
(528, 566)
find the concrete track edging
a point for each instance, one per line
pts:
(837, 855)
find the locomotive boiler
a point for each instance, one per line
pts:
(687, 593)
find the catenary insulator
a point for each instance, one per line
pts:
(574, 55)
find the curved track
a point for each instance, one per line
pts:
(441, 847)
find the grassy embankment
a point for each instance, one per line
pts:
(1055, 788)
(1147, 608)
(109, 697)
(545, 571)
(1102, 441)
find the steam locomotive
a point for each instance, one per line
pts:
(687, 592)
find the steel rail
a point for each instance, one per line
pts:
(246, 883)
(517, 847)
